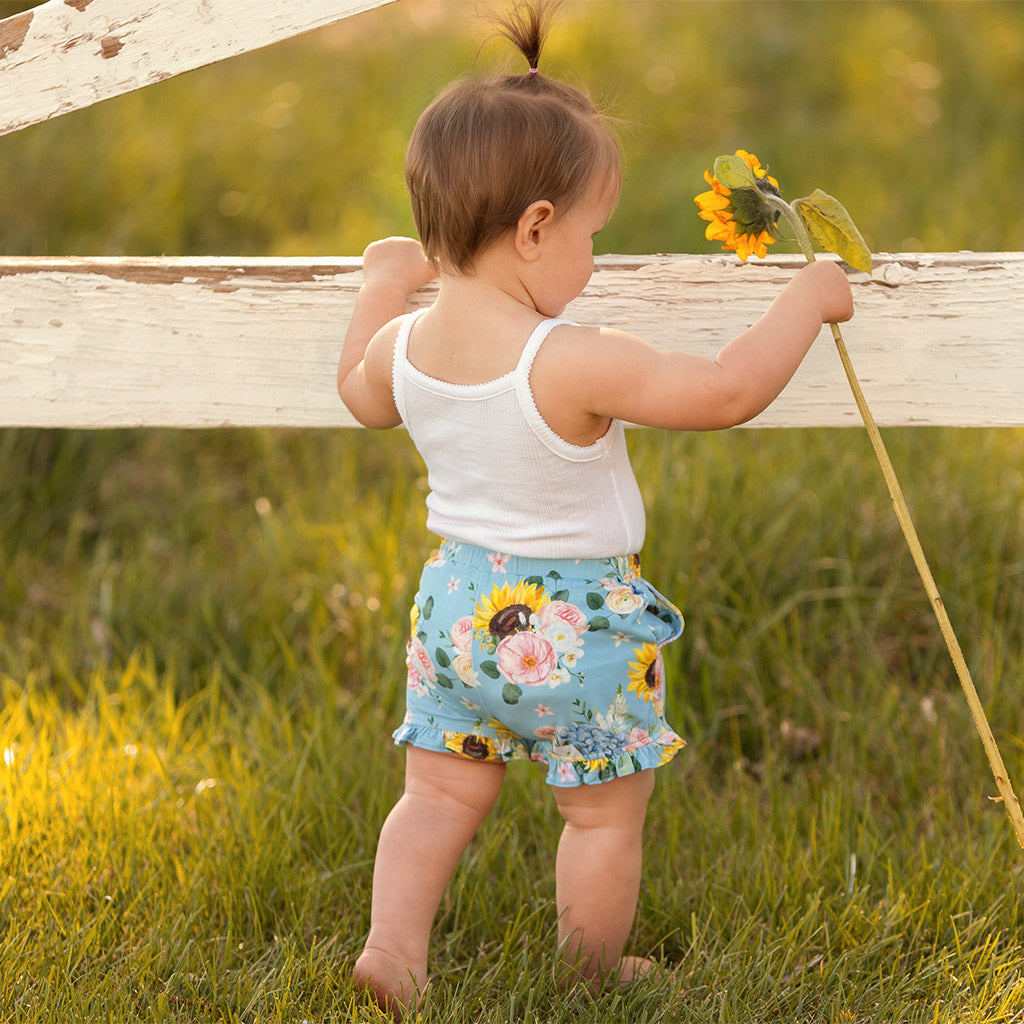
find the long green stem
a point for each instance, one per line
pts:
(995, 759)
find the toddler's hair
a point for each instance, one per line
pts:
(488, 147)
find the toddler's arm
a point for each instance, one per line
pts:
(393, 268)
(630, 380)
(765, 356)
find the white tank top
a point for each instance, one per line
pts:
(499, 477)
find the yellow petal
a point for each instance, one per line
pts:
(719, 231)
(711, 201)
(752, 162)
(755, 165)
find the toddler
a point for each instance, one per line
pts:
(533, 633)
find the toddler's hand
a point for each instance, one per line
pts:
(398, 261)
(835, 300)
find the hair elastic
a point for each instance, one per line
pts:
(534, 71)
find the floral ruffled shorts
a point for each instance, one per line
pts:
(550, 660)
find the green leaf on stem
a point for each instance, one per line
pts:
(833, 229)
(734, 172)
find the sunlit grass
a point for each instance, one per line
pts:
(201, 662)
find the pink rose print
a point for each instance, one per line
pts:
(562, 625)
(420, 666)
(462, 635)
(526, 659)
(636, 739)
(561, 613)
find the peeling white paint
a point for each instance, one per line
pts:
(205, 342)
(67, 54)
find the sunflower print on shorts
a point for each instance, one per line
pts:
(551, 660)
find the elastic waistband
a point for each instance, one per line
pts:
(522, 566)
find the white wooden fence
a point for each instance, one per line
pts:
(937, 339)
(101, 342)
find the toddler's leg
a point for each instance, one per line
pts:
(597, 872)
(445, 800)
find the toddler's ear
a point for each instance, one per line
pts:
(530, 229)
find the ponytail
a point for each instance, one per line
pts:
(526, 25)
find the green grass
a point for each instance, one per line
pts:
(201, 661)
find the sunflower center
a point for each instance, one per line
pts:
(476, 747)
(513, 618)
(651, 675)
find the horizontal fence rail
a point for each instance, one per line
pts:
(115, 342)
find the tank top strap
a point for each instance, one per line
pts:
(400, 360)
(533, 344)
(534, 417)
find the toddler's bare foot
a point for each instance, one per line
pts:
(628, 970)
(391, 983)
(632, 968)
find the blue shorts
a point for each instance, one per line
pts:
(551, 660)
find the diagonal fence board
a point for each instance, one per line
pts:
(197, 342)
(67, 54)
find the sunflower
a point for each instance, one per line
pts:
(672, 745)
(507, 610)
(739, 218)
(467, 744)
(644, 677)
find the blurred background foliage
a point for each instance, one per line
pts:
(911, 113)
